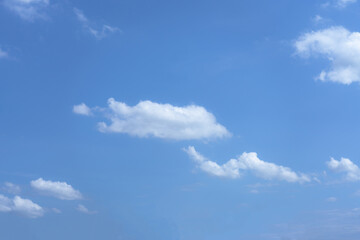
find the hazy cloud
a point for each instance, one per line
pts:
(28, 9)
(97, 32)
(11, 188)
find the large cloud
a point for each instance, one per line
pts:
(27, 9)
(340, 46)
(20, 205)
(60, 190)
(150, 119)
(246, 162)
(346, 166)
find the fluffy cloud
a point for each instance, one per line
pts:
(27, 9)
(246, 162)
(11, 188)
(82, 109)
(60, 190)
(100, 33)
(162, 121)
(20, 205)
(346, 166)
(340, 46)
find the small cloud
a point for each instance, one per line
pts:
(331, 199)
(83, 209)
(28, 10)
(99, 33)
(254, 191)
(11, 188)
(318, 18)
(346, 166)
(20, 205)
(344, 3)
(250, 162)
(60, 190)
(82, 109)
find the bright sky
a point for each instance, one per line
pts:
(179, 120)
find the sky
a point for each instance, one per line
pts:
(184, 120)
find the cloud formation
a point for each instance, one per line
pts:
(344, 3)
(340, 46)
(83, 209)
(346, 166)
(82, 109)
(28, 10)
(23, 206)
(60, 190)
(100, 33)
(11, 188)
(150, 119)
(234, 168)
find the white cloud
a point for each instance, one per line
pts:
(27, 207)
(28, 9)
(150, 119)
(11, 188)
(98, 33)
(246, 162)
(60, 190)
(344, 3)
(340, 46)
(5, 204)
(82, 109)
(20, 205)
(345, 165)
(83, 209)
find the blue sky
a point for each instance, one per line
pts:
(185, 120)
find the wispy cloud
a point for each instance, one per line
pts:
(28, 10)
(345, 165)
(344, 3)
(3, 53)
(331, 199)
(20, 205)
(60, 190)
(11, 188)
(83, 209)
(250, 162)
(150, 119)
(340, 46)
(97, 32)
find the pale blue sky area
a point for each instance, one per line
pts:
(184, 120)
